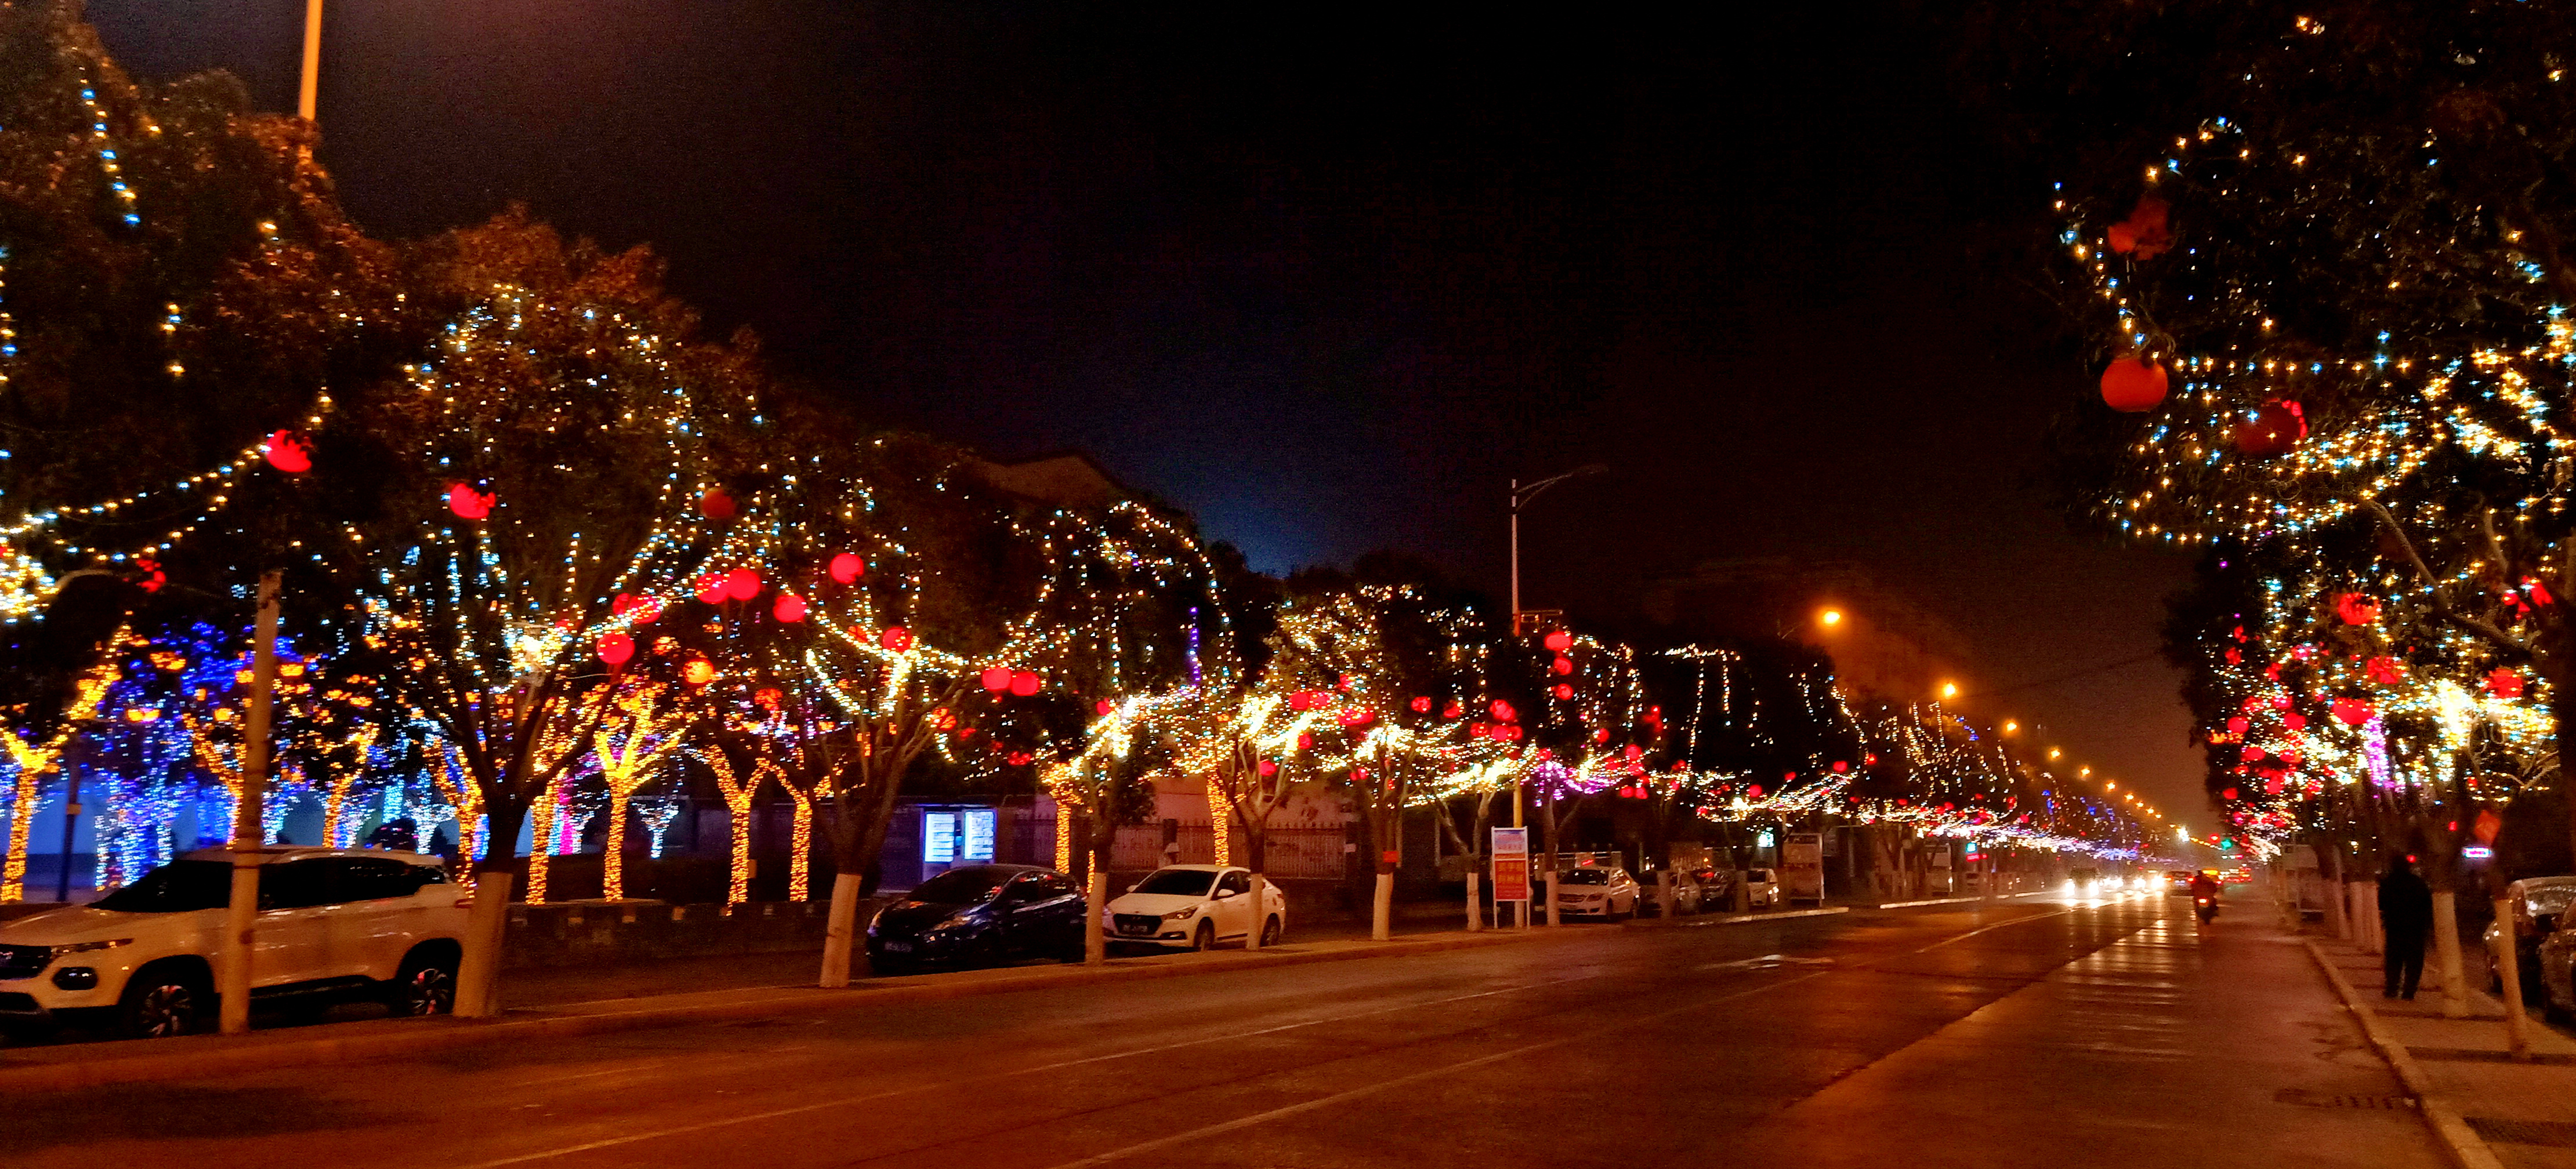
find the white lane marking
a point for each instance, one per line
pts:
(1382, 1085)
(592, 1075)
(871, 1097)
(1765, 962)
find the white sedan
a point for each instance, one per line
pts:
(1594, 891)
(1195, 907)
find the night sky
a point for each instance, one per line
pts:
(1325, 280)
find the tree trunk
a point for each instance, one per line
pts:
(2446, 951)
(540, 846)
(613, 865)
(1260, 911)
(738, 890)
(1095, 935)
(1382, 904)
(478, 974)
(1475, 898)
(840, 929)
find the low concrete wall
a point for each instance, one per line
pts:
(582, 933)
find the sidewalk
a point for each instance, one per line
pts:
(2492, 1110)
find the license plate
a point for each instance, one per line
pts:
(1139, 931)
(898, 947)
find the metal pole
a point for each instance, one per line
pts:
(71, 825)
(312, 83)
(241, 914)
(1516, 558)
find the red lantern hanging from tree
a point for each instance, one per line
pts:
(1103, 707)
(896, 638)
(742, 584)
(2357, 609)
(2353, 711)
(2504, 683)
(1564, 692)
(2133, 384)
(717, 504)
(1502, 711)
(711, 589)
(998, 679)
(790, 608)
(616, 648)
(1558, 640)
(847, 568)
(698, 672)
(1421, 704)
(2146, 233)
(1025, 684)
(2386, 671)
(468, 503)
(288, 451)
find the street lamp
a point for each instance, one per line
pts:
(1949, 690)
(1521, 495)
(1830, 618)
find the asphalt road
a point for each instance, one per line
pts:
(2029, 1033)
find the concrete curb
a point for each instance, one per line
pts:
(215, 1055)
(2456, 1136)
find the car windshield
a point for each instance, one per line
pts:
(962, 886)
(177, 887)
(1587, 876)
(2551, 898)
(1177, 882)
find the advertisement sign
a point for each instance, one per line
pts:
(1802, 867)
(1511, 864)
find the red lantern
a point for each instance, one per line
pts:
(2271, 429)
(1421, 705)
(1025, 684)
(742, 584)
(1268, 768)
(711, 589)
(2296, 722)
(847, 568)
(1841, 766)
(2239, 725)
(1103, 707)
(1455, 709)
(716, 505)
(2146, 233)
(2387, 671)
(2132, 384)
(1558, 640)
(698, 672)
(1601, 736)
(998, 679)
(287, 451)
(896, 638)
(790, 608)
(616, 648)
(468, 503)
(2357, 609)
(1755, 790)
(1502, 711)
(2504, 683)
(2352, 712)
(1562, 666)
(1564, 692)
(1305, 741)
(1343, 683)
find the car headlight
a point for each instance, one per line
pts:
(87, 947)
(1184, 913)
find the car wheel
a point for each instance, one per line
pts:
(161, 1001)
(1270, 932)
(426, 986)
(1205, 939)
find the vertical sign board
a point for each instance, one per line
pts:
(978, 825)
(1511, 864)
(1802, 867)
(939, 838)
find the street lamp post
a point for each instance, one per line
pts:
(309, 89)
(1521, 496)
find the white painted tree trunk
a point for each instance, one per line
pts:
(840, 931)
(2446, 953)
(1475, 899)
(1260, 911)
(478, 976)
(1382, 908)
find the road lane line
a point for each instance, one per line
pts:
(872, 1097)
(1382, 1085)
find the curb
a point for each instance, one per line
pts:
(2457, 1138)
(378, 1039)
(1735, 919)
(1957, 900)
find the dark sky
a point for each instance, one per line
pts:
(1323, 279)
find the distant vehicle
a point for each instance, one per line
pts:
(2179, 880)
(1596, 891)
(333, 924)
(1762, 888)
(978, 915)
(1195, 907)
(2083, 882)
(2537, 905)
(1686, 896)
(1716, 889)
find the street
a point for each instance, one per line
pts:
(2037, 1031)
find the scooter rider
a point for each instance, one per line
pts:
(2204, 892)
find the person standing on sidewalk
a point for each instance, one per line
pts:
(2406, 915)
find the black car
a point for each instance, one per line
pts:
(978, 915)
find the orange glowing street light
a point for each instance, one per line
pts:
(1830, 618)
(1949, 690)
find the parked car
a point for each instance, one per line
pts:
(1762, 888)
(1716, 889)
(1686, 895)
(1596, 891)
(2537, 904)
(1195, 907)
(979, 915)
(333, 924)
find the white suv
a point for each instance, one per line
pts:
(1196, 906)
(332, 923)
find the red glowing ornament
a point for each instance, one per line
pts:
(1343, 683)
(2387, 671)
(2296, 722)
(1502, 711)
(1103, 707)
(2234, 656)
(468, 503)
(1563, 692)
(1841, 766)
(1025, 684)
(790, 608)
(1562, 666)
(717, 505)
(1421, 704)
(1455, 709)
(2146, 233)
(2353, 711)
(2357, 609)
(998, 679)
(1558, 640)
(2239, 725)
(2504, 683)
(1267, 769)
(896, 638)
(1305, 740)
(768, 697)
(616, 648)
(288, 451)
(2272, 429)
(698, 672)
(742, 584)
(1755, 790)
(1601, 736)
(2133, 384)
(847, 568)
(711, 589)
(2254, 753)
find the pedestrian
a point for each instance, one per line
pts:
(2406, 914)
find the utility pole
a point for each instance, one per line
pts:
(241, 913)
(307, 93)
(1521, 496)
